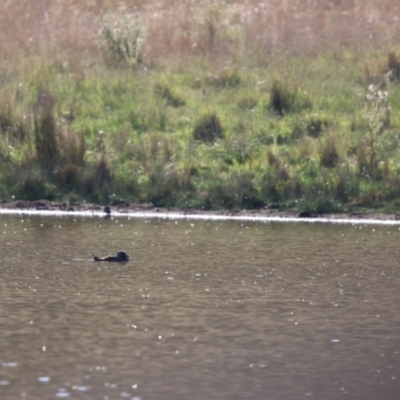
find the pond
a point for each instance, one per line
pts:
(204, 310)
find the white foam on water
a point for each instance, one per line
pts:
(203, 217)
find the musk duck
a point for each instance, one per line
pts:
(120, 257)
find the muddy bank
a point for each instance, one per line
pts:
(123, 207)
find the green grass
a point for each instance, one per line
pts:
(292, 133)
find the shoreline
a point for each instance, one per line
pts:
(26, 206)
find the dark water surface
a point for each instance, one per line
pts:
(204, 310)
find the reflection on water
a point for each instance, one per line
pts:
(204, 310)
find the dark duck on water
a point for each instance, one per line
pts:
(120, 257)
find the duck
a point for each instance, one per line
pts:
(120, 257)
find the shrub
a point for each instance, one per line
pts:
(376, 110)
(208, 128)
(376, 113)
(122, 38)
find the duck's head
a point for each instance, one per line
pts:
(123, 255)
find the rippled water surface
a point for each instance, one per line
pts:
(204, 310)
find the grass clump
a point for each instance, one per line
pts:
(208, 128)
(227, 79)
(316, 126)
(282, 99)
(168, 95)
(247, 103)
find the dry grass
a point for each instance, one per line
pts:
(68, 29)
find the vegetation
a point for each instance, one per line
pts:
(214, 105)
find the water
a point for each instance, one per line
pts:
(204, 310)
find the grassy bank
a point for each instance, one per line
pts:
(222, 106)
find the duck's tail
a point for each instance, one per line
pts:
(94, 257)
